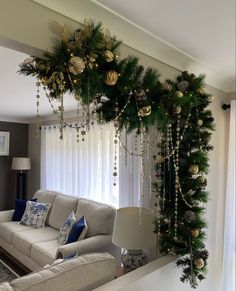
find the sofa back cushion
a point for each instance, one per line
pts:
(100, 217)
(62, 207)
(45, 196)
(85, 272)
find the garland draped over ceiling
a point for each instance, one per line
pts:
(86, 63)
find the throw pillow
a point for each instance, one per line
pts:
(20, 209)
(40, 214)
(78, 231)
(35, 214)
(66, 227)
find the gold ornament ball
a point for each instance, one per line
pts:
(145, 111)
(179, 94)
(201, 179)
(193, 169)
(111, 78)
(195, 233)
(199, 263)
(76, 65)
(109, 56)
(200, 122)
(178, 109)
(201, 91)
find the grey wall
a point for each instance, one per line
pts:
(18, 148)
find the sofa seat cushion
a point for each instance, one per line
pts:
(99, 216)
(23, 241)
(8, 229)
(44, 252)
(61, 209)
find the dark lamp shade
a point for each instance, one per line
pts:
(133, 229)
(21, 164)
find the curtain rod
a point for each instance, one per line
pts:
(226, 106)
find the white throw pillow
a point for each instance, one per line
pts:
(66, 227)
(35, 214)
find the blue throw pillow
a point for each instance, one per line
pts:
(78, 230)
(20, 209)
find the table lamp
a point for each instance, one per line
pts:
(133, 231)
(21, 164)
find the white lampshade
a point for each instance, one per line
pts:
(21, 164)
(133, 229)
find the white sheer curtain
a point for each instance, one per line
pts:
(229, 252)
(83, 168)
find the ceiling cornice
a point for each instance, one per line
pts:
(138, 38)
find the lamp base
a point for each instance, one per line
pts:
(133, 259)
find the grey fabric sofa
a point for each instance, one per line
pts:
(35, 248)
(82, 273)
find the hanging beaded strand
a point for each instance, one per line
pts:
(115, 169)
(37, 121)
(61, 110)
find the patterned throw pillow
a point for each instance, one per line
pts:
(35, 214)
(66, 227)
(78, 231)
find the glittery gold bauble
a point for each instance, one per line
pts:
(111, 78)
(109, 56)
(76, 65)
(199, 263)
(193, 169)
(166, 86)
(201, 179)
(201, 91)
(179, 94)
(145, 111)
(200, 122)
(178, 109)
(195, 232)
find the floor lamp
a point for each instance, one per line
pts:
(21, 165)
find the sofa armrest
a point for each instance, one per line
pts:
(6, 215)
(93, 244)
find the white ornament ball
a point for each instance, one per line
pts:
(200, 122)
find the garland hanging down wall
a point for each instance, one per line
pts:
(86, 64)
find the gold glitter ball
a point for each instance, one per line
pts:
(195, 232)
(201, 179)
(109, 56)
(111, 78)
(193, 169)
(178, 109)
(76, 65)
(179, 94)
(200, 122)
(199, 263)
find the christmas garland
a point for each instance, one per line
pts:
(85, 63)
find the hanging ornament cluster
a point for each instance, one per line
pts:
(180, 223)
(85, 63)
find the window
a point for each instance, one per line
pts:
(84, 168)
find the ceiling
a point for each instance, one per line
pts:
(202, 30)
